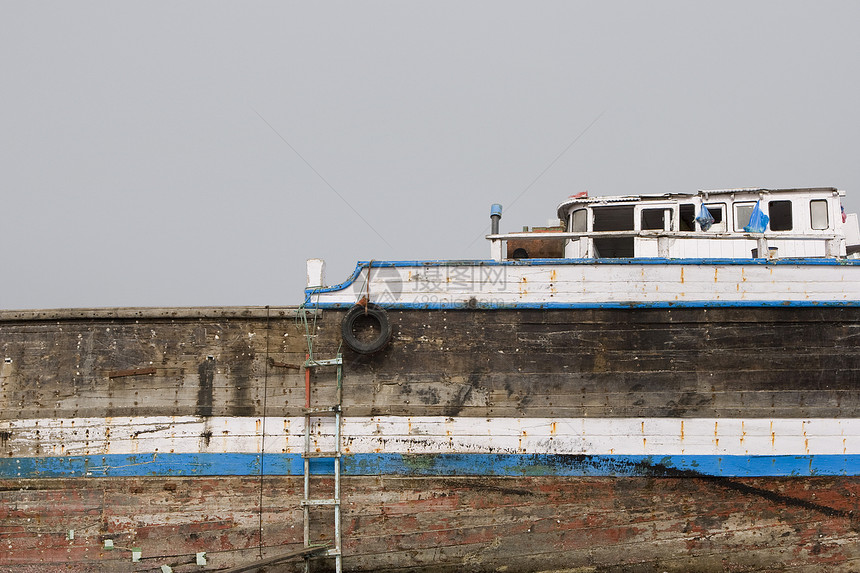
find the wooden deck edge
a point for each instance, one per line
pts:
(131, 313)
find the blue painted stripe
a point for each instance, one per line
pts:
(152, 464)
(237, 464)
(816, 261)
(592, 305)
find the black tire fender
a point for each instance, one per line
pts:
(375, 313)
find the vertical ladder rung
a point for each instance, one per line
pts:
(311, 362)
(328, 411)
(321, 454)
(329, 501)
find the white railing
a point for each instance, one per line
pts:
(834, 245)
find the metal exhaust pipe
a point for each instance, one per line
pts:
(495, 215)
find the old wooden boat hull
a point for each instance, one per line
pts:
(525, 523)
(605, 439)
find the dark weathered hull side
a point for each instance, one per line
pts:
(440, 524)
(722, 362)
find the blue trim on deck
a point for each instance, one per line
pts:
(593, 305)
(566, 465)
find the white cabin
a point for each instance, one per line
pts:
(803, 223)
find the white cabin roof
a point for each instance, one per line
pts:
(703, 194)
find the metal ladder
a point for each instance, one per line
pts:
(335, 410)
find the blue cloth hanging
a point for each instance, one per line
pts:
(705, 218)
(758, 220)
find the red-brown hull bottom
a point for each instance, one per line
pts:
(437, 524)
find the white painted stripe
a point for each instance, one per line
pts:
(601, 283)
(435, 434)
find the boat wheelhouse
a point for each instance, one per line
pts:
(801, 223)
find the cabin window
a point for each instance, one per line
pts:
(656, 219)
(579, 221)
(687, 217)
(613, 218)
(743, 212)
(818, 214)
(780, 215)
(717, 211)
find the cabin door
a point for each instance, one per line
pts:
(654, 222)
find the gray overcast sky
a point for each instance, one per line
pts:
(135, 168)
